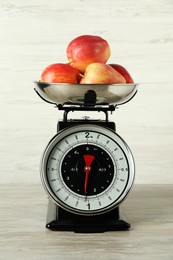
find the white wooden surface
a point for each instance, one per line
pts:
(23, 236)
(34, 34)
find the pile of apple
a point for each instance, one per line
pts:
(87, 57)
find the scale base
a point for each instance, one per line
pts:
(61, 220)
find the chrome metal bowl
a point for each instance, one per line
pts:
(60, 93)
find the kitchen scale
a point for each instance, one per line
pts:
(87, 169)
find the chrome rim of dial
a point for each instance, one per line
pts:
(87, 169)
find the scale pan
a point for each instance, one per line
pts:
(60, 93)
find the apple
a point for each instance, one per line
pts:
(101, 73)
(86, 49)
(123, 72)
(60, 73)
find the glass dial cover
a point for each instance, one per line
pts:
(87, 169)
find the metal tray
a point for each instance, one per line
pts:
(60, 93)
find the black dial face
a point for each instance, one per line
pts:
(100, 169)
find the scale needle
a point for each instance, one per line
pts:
(87, 168)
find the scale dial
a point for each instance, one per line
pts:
(87, 169)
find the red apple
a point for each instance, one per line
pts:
(123, 72)
(101, 73)
(60, 73)
(87, 49)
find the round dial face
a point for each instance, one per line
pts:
(87, 169)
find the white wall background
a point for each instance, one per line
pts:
(34, 34)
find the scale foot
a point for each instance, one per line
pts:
(61, 220)
(117, 225)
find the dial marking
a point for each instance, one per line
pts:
(77, 202)
(98, 136)
(89, 206)
(53, 180)
(66, 198)
(87, 135)
(58, 190)
(66, 142)
(109, 197)
(53, 169)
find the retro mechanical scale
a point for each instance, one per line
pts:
(87, 169)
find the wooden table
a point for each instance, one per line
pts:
(149, 209)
